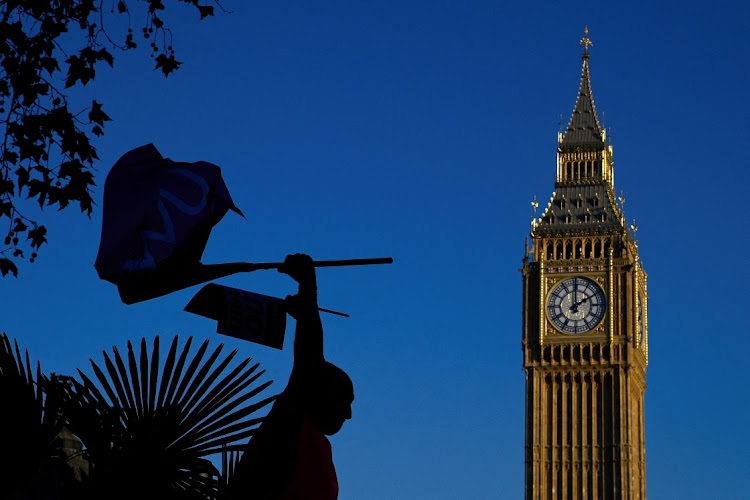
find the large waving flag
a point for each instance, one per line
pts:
(158, 215)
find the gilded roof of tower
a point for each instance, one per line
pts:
(580, 208)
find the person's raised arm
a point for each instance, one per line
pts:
(308, 339)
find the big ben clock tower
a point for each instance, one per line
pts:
(585, 334)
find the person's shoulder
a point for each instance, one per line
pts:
(288, 407)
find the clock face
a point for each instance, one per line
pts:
(576, 305)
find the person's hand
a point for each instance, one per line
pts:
(300, 267)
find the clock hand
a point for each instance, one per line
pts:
(574, 304)
(578, 303)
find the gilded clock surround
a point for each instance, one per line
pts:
(552, 287)
(585, 429)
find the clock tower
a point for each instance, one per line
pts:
(585, 334)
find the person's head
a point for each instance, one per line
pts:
(330, 402)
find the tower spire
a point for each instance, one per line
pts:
(584, 129)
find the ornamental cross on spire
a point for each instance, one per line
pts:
(586, 41)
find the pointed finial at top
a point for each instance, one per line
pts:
(586, 43)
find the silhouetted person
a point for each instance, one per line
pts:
(289, 456)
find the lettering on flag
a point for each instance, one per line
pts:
(166, 235)
(157, 217)
(241, 314)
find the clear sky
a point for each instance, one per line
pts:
(422, 130)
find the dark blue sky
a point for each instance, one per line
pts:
(422, 131)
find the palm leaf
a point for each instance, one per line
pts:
(147, 425)
(129, 408)
(194, 364)
(168, 370)
(134, 376)
(175, 377)
(154, 371)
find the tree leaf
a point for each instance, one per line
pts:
(206, 10)
(6, 209)
(36, 188)
(10, 157)
(6, 186)
(20, 226)
(167, 63)
(75, 70)
(37, 236)
(155, 5)
(23, 177)
(6, 266)
(104, 55)
(96, 114)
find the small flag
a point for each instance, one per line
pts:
(157, 217)
(242, 314)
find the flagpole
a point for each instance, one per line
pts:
(333, 312)
(149, 284)
(321, 263)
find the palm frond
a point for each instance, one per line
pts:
(230, 457)
(30, 420)
(145, 425)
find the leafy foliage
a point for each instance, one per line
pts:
(147, 432)
(46, 151)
